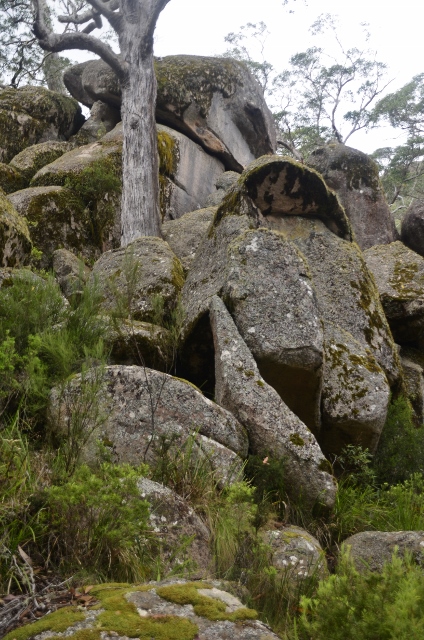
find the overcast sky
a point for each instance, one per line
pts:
(199, 27)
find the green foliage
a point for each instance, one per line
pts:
(267, 477)
(400, 452)
(95, 521)
(368, 606)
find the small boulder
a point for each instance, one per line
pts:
(57, 219)
(371, 549)
(15, 242)
(34, 158)
(132, 278)
(174, 522)
(272, 428)
(139, 410)
(185, 234)
(29, 115)
(399, 275)
(295, 553)
(354, 177)
(412, 229)
(70, 272)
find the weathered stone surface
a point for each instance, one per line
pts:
(191, 173)
(265, 272)
(103, 118)
(139, 407)
(295, 553)
(15, 242)
(399, 275)
(139, 273)
(273, 429)
(71, 272)
(10, 179)
(173, 521)
(29, 115)
(37, 156)
(412, 229)
(140, 343)
(371, 549)
(158, 612)
(57, 219)
(214, 101)
(345, 290)
(355, 394)
(72, 78)
(185, 234)
(354, 177)
(224, 182)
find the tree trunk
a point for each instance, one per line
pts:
(140, 213)
(53, 73)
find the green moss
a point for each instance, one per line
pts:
(297, 440)
(37, 156)
(189, 383)
(260, 383)
(405, 279)
(10, 179)
(249, 373)
(325, 465)
(57, 621)
(177, 275)
(203, 606)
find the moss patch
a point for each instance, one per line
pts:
(297, 440)
(203, 606)
(57, 621)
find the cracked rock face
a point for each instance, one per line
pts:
(273, 429)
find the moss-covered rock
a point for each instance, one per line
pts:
(70, 272)
(168, 610)
(57, 219)
(29, 115)
(354, 177)
(295, 554)
(15, 242)
(137, 275)
(35, 157)
(10, 179)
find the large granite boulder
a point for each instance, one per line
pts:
(15, 242)
(140, 410)
(412, 228)
(183, 538)
(169, 610)
(354, 177)
(279, 252)
(57, 219)
(30, 115)
(35, 157)
(132, 278)
(295, 553)
(214, 101)
(186, 233)
(399, 275)
(273, 429)
(369, 550)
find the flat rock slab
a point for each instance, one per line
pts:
(140, 409)
(273, 429)
(371, 549)
(399, 275)
(172, 610)
(354, 177)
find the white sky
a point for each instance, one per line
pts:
(199, 26)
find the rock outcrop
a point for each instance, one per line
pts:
(214, 101)
(15, 242)
(354, 177)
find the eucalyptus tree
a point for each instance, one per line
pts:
(134, 23)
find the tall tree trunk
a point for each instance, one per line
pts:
(140, 213)
(53, 67)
